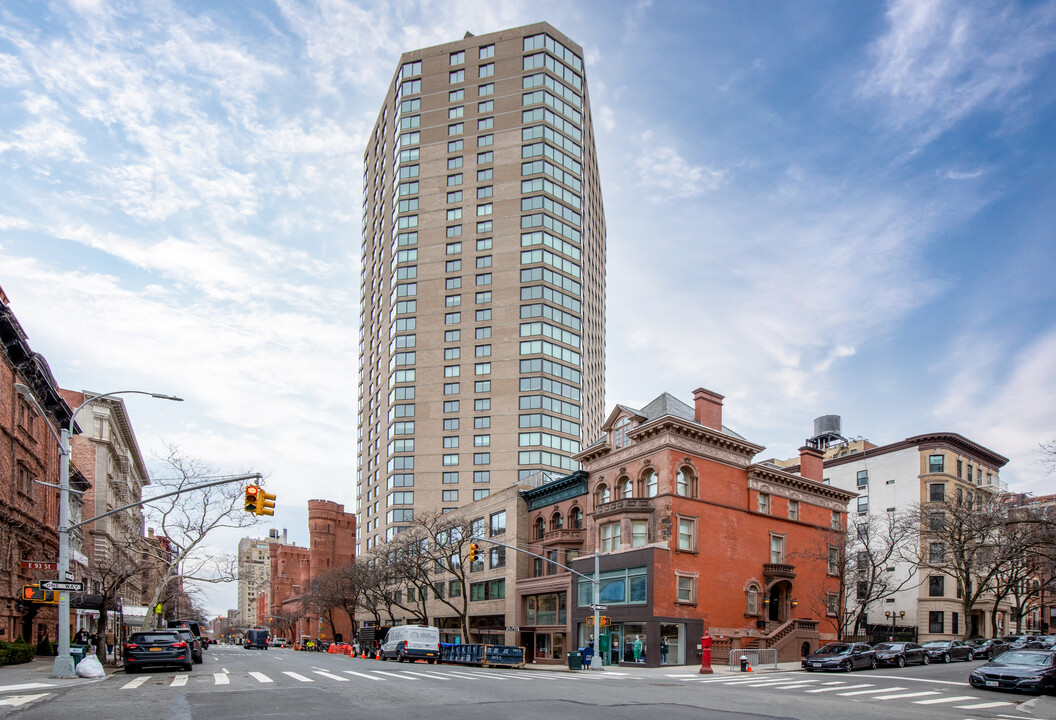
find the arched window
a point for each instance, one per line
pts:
(556, 522)
(619, 433)
(626, 488)
(751, 600)
(540, 528)
(575, 518)
(686, 483)
(603, 495)
(652, 483)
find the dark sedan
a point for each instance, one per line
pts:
(193, 643)
(1023, 642)
(988, 647)
(948, 650)
(156, 648)
(840, 656)
(900, 654)
(1033, 670)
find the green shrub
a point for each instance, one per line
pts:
(14, 653)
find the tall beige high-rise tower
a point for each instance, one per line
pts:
(482, 352)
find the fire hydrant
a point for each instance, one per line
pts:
(705, 654)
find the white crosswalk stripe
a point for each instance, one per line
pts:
(870, 692)
(841, 686)
(330, 675)
(390, 674)
(981, 706)
(260, 677)
(938, 701)
(297, 676)
(20, 700)
(179, 681)
(133, 684)
(898, 696)
(221, 678)
(363, 675)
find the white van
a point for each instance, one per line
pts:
(412, 642)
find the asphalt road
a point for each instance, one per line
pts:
(234, 683)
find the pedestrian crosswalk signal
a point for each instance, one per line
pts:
(252, 503)
(473, 552)
(33, 593)
(267, 503)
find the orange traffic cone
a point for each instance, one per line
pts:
(749, 666)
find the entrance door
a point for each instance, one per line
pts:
(615, 644)
(775, 603)
(528, 640)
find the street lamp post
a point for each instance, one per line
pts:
(64, 667)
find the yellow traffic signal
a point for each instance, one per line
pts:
(267, 502)
(473, 552)
(252, 503)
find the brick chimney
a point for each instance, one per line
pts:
(811, 463)
(708, 408)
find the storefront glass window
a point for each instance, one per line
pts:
(672, 644)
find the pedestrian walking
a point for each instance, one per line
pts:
(109, 643)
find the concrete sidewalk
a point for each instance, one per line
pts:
(36, 675)
(641, 670)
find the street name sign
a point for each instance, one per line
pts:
(38, 565)
(67, 585)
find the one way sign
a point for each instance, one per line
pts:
(62, 585)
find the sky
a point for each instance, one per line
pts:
(812, 207)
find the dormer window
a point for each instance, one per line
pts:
(619, 433)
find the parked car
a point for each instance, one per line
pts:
(279, 642)
(988, 647)
(949, 650)
(900, 653)
(1023, 642)
(841, 656)
(196, 645)
(1033, 670)
(191, 625)
(157, 648)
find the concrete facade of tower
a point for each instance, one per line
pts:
(482, 317)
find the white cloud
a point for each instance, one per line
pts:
(667, 175)
(942, 60)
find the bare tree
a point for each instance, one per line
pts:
(184, 521)
(109, 575)
(863, 561)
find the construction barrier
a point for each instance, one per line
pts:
(756, 657)
(483, 655)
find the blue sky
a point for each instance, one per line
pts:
(813, 208)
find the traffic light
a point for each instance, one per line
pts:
(267, 502)
(33, 593)
(473, 552)
(252, 504)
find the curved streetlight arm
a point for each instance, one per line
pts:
(64, 667)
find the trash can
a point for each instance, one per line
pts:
(78, 652)
(744, 663)
(575, 661)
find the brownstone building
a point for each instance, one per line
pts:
(693, 535)
(29, 511)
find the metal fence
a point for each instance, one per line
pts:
(757, 657)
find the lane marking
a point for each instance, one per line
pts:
(132, 685)
(896, 696)
(363, 675)
(179, 681)
(260, 677)
(330, 675)
(937, 701)
(221, 679)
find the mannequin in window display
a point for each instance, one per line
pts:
(638, 648)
